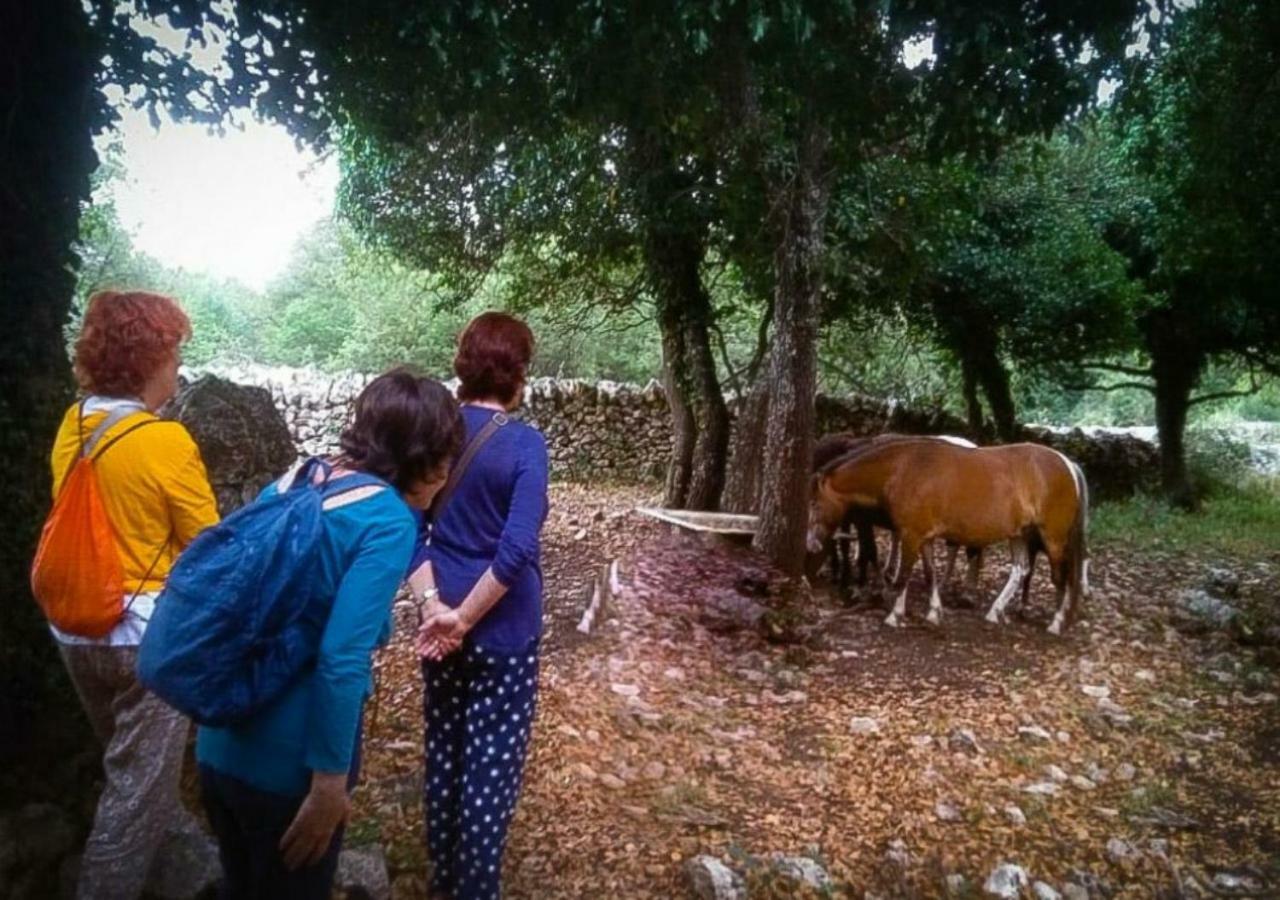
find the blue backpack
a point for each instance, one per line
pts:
(243, 610)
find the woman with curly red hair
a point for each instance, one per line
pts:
(480, 575)
(156, 495)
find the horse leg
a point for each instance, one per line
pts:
(1025, 587)
(895, 556)
(909, 548)
(935, 598)
(1061, 571)
(866, 550)
(1017, 553)
(952, 551)
(975, 567)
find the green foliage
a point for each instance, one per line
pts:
(1241, 521)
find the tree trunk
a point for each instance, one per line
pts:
(995, 386)
(799, 230)
(1176, 376)
(674, 244)
(972, 405)
(48, 102)
(746, 462)
(699, 417)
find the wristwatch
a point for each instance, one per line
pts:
(429, 594)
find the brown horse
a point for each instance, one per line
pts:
(833, 447)
(1025, 494)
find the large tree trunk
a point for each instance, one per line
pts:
(674, 245)
(995, 386)
(699, 417)
(799, 228)
(746, 462)
(1176, 375)
(47, 104)
(972, 405)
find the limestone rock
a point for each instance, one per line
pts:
(242, 437)
(800, 871)
(362, 874)
(711, 879)
(1006, 880)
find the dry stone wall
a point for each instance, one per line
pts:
(623, 432)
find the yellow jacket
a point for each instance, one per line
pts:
(154, 489)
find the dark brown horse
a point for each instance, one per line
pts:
(1025, 494)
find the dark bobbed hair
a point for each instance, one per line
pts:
(493, 357)
(404, 427)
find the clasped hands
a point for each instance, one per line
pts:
(441, 630)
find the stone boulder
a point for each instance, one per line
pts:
(242, 437)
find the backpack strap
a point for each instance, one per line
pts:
(113, 417)
(350, 489)
(482, 436)
(97, 455)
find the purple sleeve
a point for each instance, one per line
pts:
(519, 543)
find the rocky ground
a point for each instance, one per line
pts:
(679, 752)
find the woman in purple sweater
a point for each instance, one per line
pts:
(480, 579)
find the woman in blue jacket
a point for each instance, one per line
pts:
(481, 579)
(275, 785)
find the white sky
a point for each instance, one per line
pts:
(232, 205)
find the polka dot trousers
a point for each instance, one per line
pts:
(478, 705)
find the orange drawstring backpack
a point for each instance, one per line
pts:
(76, 576)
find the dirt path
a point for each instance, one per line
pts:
(891, 756)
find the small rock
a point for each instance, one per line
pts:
(956, 885)
(1145, 675)
(801, 871)
(654, 770)
(864, 725)
(1096, 773)
(1015, 815)
(1034, 733)
(1006, 880)
(898, 853)
(922, 740)
(363, 874)
(711, 879)
(1042, 891)
(1042, 789)
(1205, 606)
(1074, 892)
(1118, 850)
(1126, 772)
(964, 741)
(1222, 582)
(1097, 691)
(1232, 881)
(946, 812)
(1080, 783)
(1063, 737)
(1159, 846)
(609, 780)
(1056, 773)
(625, 690)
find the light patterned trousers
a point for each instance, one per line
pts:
(144, 741)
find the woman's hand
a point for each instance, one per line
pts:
(431, 644)
(325, 807)
(442, 633)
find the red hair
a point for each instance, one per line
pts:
(493, 357)
(125, 338)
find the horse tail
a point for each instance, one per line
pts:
(1078, 540)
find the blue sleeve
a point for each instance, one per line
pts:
(519, 544)
(346, 649)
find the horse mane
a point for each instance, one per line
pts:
(875, 442)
